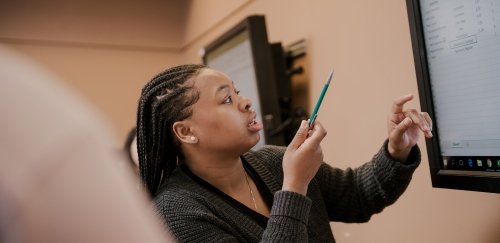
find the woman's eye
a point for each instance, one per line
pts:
(228, 100)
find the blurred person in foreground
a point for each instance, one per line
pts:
(58, 176)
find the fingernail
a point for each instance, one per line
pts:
(303, 124)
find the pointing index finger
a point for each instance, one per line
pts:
(397, 106)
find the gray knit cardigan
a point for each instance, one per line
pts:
(195, 214)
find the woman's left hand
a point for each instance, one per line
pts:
(404, 128)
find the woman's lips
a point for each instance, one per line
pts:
(254, 126)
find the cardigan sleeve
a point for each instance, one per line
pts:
(288, 221)
(354, 195)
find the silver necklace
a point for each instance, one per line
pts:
(251, 192)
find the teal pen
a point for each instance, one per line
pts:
(320, 99)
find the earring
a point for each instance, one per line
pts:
(193, 138)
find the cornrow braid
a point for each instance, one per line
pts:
(164, 100)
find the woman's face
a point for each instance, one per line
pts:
(222, 120)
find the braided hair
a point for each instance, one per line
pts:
(165, 99)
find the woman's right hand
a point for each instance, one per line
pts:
(303, 157)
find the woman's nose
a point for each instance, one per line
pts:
(245, 104)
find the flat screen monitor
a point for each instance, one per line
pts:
(456, 48)
(244, 54)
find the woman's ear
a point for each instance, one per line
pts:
(183, 132)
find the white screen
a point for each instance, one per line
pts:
(463, 46)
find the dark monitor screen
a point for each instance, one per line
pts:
(244, 54)
(456, 47)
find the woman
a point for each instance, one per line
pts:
(195, 133)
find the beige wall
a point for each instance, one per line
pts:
(111, 79)
(368, 44)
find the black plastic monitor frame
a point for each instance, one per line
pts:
(264, 71)
(440, 178)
